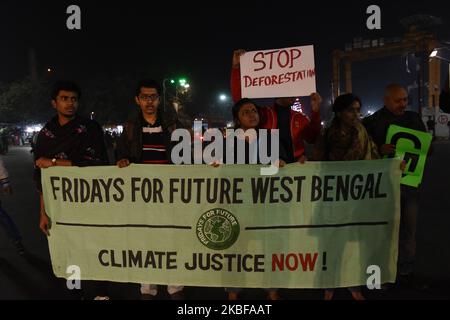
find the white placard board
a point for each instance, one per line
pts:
(277, 73)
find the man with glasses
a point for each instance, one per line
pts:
(146, 140)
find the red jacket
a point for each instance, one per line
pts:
(302, 128)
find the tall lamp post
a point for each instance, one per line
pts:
(435, 55)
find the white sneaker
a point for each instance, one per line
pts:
(101, 298)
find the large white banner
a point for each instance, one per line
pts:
(276, 73)
(317, 225)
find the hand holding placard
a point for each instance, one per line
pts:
(412, 146)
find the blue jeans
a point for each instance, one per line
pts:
(9, 226)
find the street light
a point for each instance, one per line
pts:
(434, 54)
(223, 97)
(182, 82)
(438, 57)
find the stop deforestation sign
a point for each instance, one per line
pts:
(288, 72)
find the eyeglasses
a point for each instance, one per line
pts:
(152, 97)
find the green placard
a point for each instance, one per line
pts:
(412, 146)
(318, 225)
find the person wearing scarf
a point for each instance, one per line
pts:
(345, 140)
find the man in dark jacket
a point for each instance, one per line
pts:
(67, 140)
(146, 135)
(146, 140)
(377, 125)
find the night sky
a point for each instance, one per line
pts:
(196, 40)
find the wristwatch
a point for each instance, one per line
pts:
(54, 161)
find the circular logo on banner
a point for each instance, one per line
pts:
(443, 119)
(217, 229)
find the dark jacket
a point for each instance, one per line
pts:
(377, 125)
(80, 141)
(129, 145)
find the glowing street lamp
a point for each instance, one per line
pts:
(180, 84)
(435, 52)
(435, 55)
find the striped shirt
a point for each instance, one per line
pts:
(153, 146)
